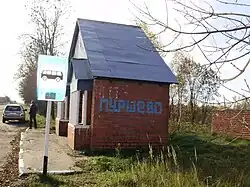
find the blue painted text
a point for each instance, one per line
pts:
(139, 106)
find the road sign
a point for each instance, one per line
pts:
(51, 78)
(51, 86)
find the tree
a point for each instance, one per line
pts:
(46, 17)
(209, 89)
(222, 37)
(194, 88)
(151, 35)
(179, 91)
(4, 100)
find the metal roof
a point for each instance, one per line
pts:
(81, 69)
(121, 51)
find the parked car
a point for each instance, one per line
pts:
(13, 112)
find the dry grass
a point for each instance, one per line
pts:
(194, 158)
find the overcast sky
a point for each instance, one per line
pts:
(14, 21)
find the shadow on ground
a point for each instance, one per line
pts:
(47, 179)
(43, 180)
(17, 124)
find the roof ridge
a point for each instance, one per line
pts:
(108, 22)
(115, 63)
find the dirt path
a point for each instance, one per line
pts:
(9, 149)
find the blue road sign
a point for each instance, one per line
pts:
(51, 78)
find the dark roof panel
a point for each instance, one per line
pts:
(157, 74)
(122, 51)
(81, 69)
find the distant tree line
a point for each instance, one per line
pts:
(5, 100)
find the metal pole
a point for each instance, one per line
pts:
(46, 138)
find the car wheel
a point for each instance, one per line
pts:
(58, 79)
(44, 78)
(3, 120)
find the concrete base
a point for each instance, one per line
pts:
(32, 152)
(62, 127)
(78, 136)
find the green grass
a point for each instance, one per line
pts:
(222, 158)
(41, 120)
(193, 159)
(106, 171)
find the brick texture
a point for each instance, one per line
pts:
(235, 123)
(62, 127)
(129, 130)
(78, 137)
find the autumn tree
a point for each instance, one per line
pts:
(178, 92)
(46, 18)
(209, 90)
(218, 30)
(195, 89)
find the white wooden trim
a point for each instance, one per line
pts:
(59, 110)
(77, 107)
(66, 100)
(85, 107)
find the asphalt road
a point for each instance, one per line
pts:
(7, 133)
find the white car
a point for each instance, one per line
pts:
(13, 112)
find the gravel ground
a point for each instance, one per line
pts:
(9, 174)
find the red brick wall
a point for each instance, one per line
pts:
(235, 123)
(130, 130)
(78, 137)
(62, 127)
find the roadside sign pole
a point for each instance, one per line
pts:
(46, 137)
(50, 88)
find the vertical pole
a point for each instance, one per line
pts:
(77, 102)
(46, 138)
(66, 108)
(85, 107)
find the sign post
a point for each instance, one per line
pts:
(51, 86)
(46, 138)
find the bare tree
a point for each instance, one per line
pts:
(221, 37)
(46, 17)
(178, 92)
(194, 89)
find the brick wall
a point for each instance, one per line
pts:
(129, 129)
(235, 123)
(78, 137)
(61, 127)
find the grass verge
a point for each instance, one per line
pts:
(41, 120)
(191, 160)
